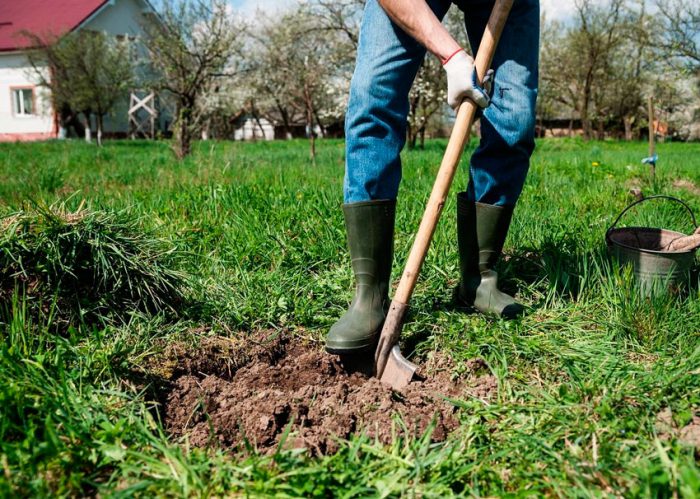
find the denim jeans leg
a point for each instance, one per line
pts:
(375, 123)
(500, 164)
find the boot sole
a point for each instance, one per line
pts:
(510, 312)
(336, 350)
(349, 351)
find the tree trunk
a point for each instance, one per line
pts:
(253, 133)
(320, 125)
(284, 114)
(100, 127)
(88, 131)
(601, 129)
(627, 121)
(585, 105)
(422, 137)
(256, 117)
(312, 143)
(586, 122)
(310, 124)
(183, 133)
(411, 129)
(412, 136)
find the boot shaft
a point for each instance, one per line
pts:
(481, 233)
(370, 232)
(370, 229)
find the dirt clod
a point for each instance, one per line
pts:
(690, 434)
(666, 428)
(687, 185)
(288, 390)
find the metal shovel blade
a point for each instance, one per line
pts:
(398, 371)
(390, 366)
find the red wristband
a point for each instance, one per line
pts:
(445, 61)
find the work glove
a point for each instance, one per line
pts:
(462, 82)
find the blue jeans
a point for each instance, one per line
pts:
(387, 62)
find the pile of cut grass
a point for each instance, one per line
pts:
(87, 265)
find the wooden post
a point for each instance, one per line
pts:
(652, 137)
(142, 115)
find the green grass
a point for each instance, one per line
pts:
(581, 377)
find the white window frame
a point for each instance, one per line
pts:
(21, 112)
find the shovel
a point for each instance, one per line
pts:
(389, 365)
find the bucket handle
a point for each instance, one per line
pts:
(659, 196)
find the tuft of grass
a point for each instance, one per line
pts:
(86, 265)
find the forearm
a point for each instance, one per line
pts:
(416, 19)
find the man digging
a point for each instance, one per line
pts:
(394, 37)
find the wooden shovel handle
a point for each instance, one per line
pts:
(459, 137)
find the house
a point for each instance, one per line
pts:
(25, 108)
(254, 129)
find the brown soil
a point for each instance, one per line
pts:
(666, 428)
(264, 391)
(687, 185)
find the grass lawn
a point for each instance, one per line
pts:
(598, 389)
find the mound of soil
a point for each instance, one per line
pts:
(283, 384)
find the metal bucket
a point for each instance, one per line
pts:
(656, 270)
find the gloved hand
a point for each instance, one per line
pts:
(462, 81)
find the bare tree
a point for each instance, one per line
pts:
(596, 36)
(676, 83)
(604, 66)
(191, 44)
(554, 96)
(295, 78)
(340, 20)
(621, 95)
(86, 72)
(681, 29)
(269, 87)
(576, 62)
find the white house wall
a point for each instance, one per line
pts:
(16, 72)
(118, 17)
(250, 130)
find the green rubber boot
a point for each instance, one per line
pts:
(481, 232)
(370, 229)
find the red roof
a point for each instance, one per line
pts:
(42, 17)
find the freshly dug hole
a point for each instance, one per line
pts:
(286, 383)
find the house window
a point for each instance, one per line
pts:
(23, 101)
